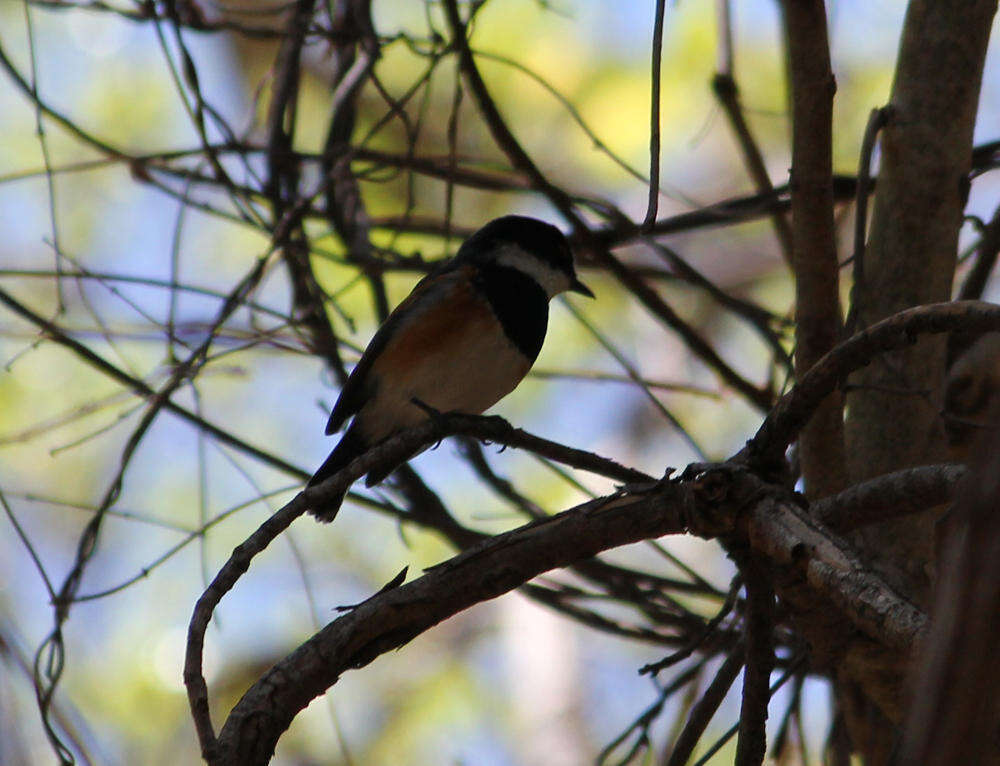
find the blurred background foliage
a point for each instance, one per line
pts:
(507, 682)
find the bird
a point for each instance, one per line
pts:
(462, 340)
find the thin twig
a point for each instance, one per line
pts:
(793, 669)
(654, 118)
(57, 334)
(876, 121)
(727, 93)
(704, 710)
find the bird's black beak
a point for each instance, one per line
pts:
(577, 286)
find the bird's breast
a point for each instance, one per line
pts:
(454, 355)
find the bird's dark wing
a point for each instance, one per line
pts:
(434, 287)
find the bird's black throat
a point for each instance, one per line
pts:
(519, 302)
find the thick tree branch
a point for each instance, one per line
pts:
(389, 453)
(713, 501)
(796, 544)
(393, 618)
(791, 539)
(896, 494)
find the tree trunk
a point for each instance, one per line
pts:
(893, 406)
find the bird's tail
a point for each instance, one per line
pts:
(349, 447)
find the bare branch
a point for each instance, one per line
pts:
(654, 118)
(727, 94)
(791, 539)
(910, 490)
(876, 121)
(926, 153)
(702, 712)
(498, 127)
(55, 333)
(707, 504)
(793, 410)
(395, 617)
(814, 247)
(752, 743)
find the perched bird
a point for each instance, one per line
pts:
(461, 341)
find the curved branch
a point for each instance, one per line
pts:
(793, 410)
(390, 453)
(708, 504)
(392, 618)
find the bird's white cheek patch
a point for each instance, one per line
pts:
(550, 279)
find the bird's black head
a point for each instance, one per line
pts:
(534, 247)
